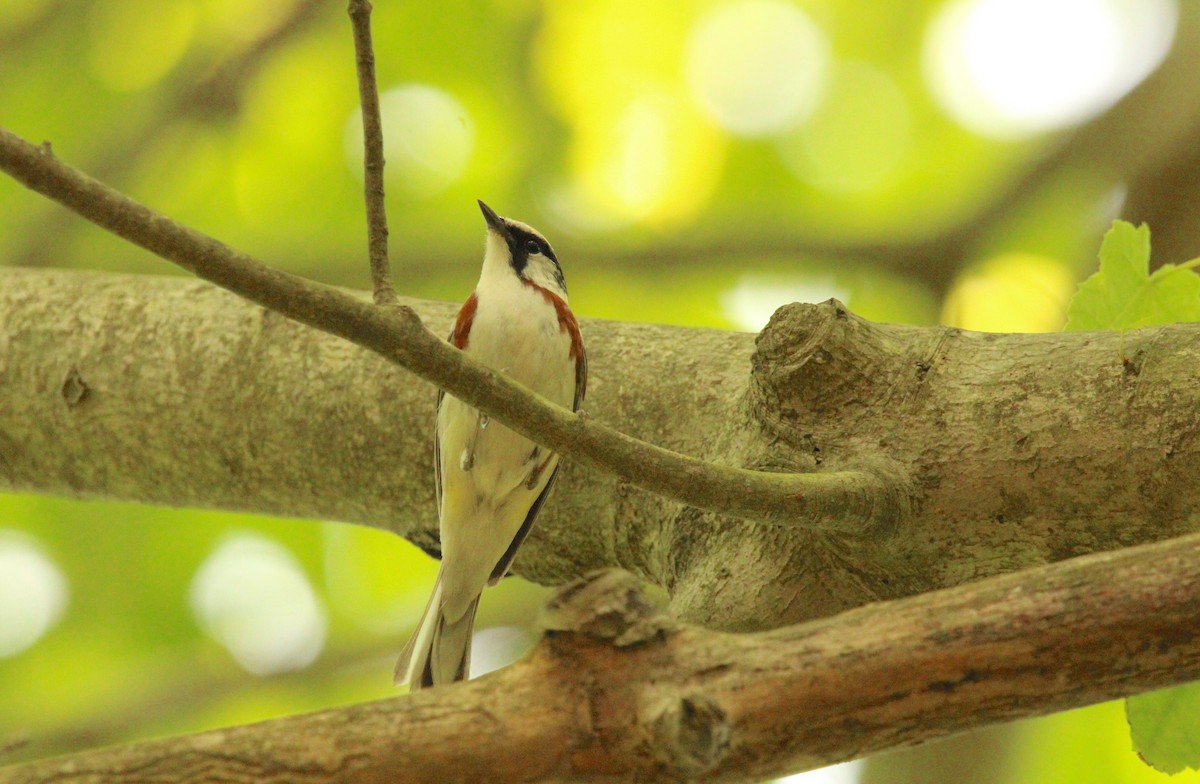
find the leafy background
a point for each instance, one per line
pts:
(694, 162)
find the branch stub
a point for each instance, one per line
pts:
(608, 605)
(691, 733)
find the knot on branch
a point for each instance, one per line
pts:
(74, 389)
(690, 733)
(608, 605)
(817, 361)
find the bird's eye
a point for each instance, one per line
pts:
(532, 247)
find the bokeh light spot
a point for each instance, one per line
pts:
(498, 646)
(750, 303)
(375, 579)
(639, 171)
(592, 55)
(756, 66)
(33, 593)
(246, 21)
(1012, 292)
(845, 773)
(294, 135)
(655, 160)
(858, 135)
(428, 138)
(136, 42)
(251, 595)
(1009, 68)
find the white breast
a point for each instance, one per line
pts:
(486, 467)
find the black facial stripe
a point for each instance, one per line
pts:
(516, 249)
(517, 239)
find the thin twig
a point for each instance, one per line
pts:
(368, 93)
(856, 502)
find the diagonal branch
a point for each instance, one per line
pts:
(849, 501)
(616, 691)
(368, 93)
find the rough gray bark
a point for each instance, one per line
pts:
(842, 501)
(183, 394)
(1021, 449)
(991, 480)
(617, 692)
(1018, 449)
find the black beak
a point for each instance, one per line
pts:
(495, 222)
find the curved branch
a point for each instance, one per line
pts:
(846, 501)
(617, 691)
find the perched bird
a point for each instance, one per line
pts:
(491, 482)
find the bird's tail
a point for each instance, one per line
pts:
(439, 650)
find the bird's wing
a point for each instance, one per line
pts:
(510, 554)
(458, 339)
(437, 456)
(580, 380)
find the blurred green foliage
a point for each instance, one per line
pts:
(599, 121)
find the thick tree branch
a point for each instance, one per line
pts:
(618, 692)
(852, 501)
(368, 94)
(1024, 449)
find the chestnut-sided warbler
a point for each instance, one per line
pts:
(491, 482)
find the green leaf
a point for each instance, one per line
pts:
(1165, 726)
(1124, 295)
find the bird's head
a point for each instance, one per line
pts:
(523, 250)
